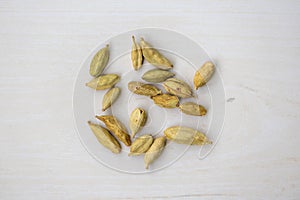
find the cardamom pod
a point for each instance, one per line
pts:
(99, 61)
(154, 151)
(143, 89)
(116, 127)
(105, 137)
(110, 97)
(192, 108)
(178, 87)
(186, 135)
(203, 74)
(141, 145)
(157, 75)
(138, 119)
(136, 55)
(154, 57)
(166, 100)
(103, 82)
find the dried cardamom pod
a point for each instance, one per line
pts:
(192, 108)
(138, 119)
(154, 151)
(110, 97)
(203, 74)
(154, 57)
(143, 89)
(136, 55)
(141, 145)
(166, 100)
(178, 87)
(186, 135)
(157, 75)
(105, 137)
(103, 82)
(116, 127)
(99, 61)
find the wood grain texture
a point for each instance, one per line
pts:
(256, 45)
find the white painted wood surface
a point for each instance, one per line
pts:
(256, 45)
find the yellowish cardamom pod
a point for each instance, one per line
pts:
(203, 75)
(103, 82)
(143, 89)
(136, 55)
(141, 145)
(186, 135)
(105, 137)
(154, 57)
(166, 100)
(138, 119)
(154, 151)
(116, 127)
(178, 87)
(192, 108)
(110, 97)
(157, 75)
(99, 61)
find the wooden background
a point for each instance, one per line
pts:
(256, 45)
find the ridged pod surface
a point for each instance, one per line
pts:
(178, 87)
(166, 100)
(137, 120)
(116, 127)
(157, 75)
(143, 89)
(99, 61)
(103, 82)
(136, 55)
(110, 97)
(186, 135)
(154, 57)
(191, 108)
(203, 75)
(105, 137)
(154, 151)
(141, 145)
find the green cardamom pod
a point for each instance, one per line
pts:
(99, 61)
(157, 75)
(110, 97)
(116, 127)
(154, 151)
(178, 87)
(141, 145)
(191, 108)
(203, 74)
(103, 82)
(154, 57)
(166, 100)
(143, 89)
(138, 119)
(136, 55)
(186, 135)
(105, 137)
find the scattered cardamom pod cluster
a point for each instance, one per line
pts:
(176, 89)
